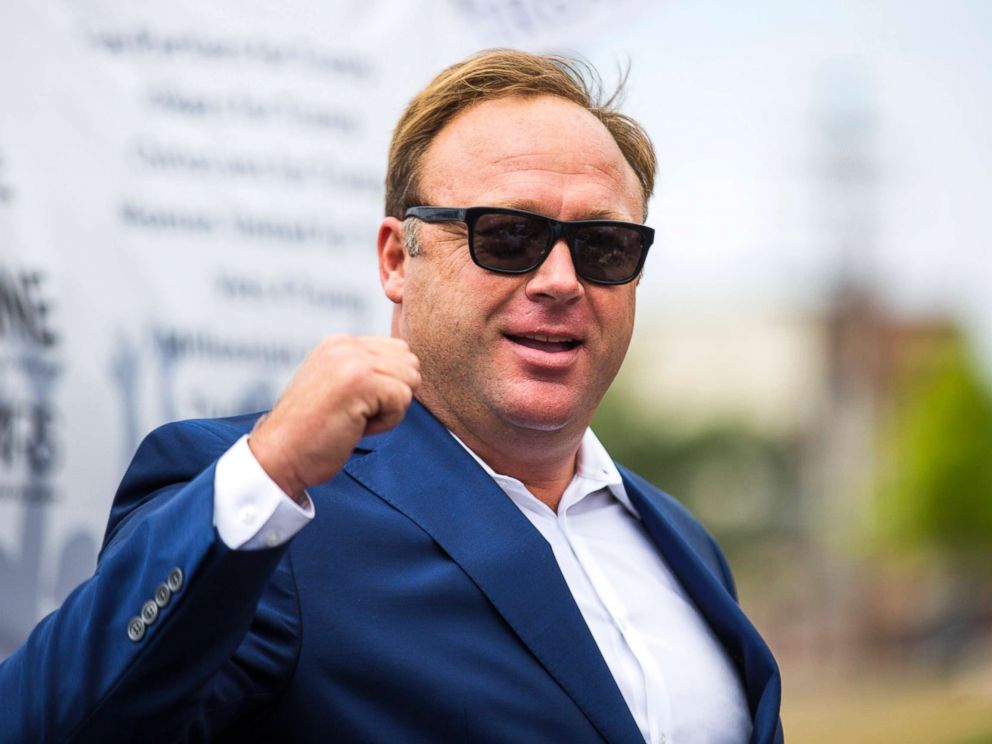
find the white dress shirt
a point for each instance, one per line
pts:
(673, 674)
(677, 681)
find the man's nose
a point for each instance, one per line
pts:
(556, 278)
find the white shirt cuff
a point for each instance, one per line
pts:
(250, 511)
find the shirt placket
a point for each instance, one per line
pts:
(654, 688)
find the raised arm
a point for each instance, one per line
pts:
(178, 631)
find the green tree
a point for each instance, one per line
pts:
(937, 489)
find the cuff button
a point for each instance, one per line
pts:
(175, 580)
(162, 595)
(135, 629)
(149, 612)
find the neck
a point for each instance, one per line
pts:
(546, 476)
(544, 461)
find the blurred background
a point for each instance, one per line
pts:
(189, 196)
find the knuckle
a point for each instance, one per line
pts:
(335, 339)
(330, 346)
(398, 397)
(353, 370)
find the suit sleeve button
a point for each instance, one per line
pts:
(135, 629)
(162, 595)
(175, 580)
(149, 612)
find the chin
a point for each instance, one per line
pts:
(547, 418)
(537, 424)
(542, 407)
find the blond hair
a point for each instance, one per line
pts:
(501, 73)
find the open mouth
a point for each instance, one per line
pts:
(550, 344)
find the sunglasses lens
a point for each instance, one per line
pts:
(509, 242)
(607, 253)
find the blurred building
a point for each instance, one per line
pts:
(826, 389)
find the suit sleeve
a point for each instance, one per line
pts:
(222, 639)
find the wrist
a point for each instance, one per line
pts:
(277, 465)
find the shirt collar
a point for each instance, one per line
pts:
(592, 463)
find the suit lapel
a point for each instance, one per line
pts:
(423, 472)
(752, 657)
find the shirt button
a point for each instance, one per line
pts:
(272, 539)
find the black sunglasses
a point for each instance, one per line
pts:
(512, 241)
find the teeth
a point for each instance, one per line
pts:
(548, 339)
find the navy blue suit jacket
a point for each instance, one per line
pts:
(419, 605)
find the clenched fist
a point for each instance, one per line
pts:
(346, 388)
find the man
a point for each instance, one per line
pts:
(476, 567)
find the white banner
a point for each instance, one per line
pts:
(189, 196)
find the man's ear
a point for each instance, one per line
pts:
(392, 258)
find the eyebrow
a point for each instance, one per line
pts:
(531, 206)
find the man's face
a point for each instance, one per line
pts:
(534, 351)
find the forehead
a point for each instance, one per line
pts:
(542, 153)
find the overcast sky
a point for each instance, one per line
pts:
(752, 104)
